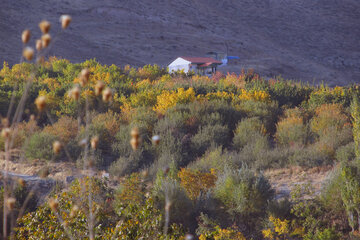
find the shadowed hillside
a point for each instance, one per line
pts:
(306, 40)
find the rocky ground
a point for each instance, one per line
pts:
(306, 40)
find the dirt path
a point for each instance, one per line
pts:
(285, 179)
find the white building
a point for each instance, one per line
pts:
(199, 65)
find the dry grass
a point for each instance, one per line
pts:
(283, 180)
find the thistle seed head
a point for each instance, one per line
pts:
(54, 204)
(156, 140)
(45, 40)
(84, 76)
(10, 203)
(44, 26)
(40, 103)
(22, 182)
(134, 142)
(5, 122)
(73, 211)
(83, 142)
(135, 133)
(38, 45)
(167, 206)
(43, 173)
(107, 95)
(94, 142)
(25, 36)
(75, 93)
(189, 236)
(145, 173)
(99, 87)
(65, 21)
(5, 133)
(28, 53)
(57, 147)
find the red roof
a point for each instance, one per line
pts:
(206, 64)
(201, 60)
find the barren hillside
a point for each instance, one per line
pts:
(306, 40)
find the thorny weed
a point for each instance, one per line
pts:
(11, 121)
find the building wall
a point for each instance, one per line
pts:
(179, 64)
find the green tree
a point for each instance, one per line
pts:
(355, 113)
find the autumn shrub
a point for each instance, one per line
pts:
(66, 129)
(254, 82)
(279, 229)
(288, 93)
(326, 234)
(121, 146)
(195, 182)
(144, 116)
(105, 127)
(248, 130)
(327, 95)
(292, 130)
(19, 134)
(332, 202)
(169, 99)
(345, 153)
(210, 135)
(233, 79)
(166, 159)
(39, 146)
(254, 95)
(176, 122)
(222, 234)
(259, 155)
(151, 72)
(350, 192)
(47, 222)
(243, 192)
(329, 143)
(266, 112)
(142, 217)
(139, 159)
(200, 84)
(115, 217)
(168, 192)
(174, 141)
(216, 112)
(146, 98)
(215, 158)
(24, 198)
(280, 208)
(326, 116)
(310, 156)
(222, 96)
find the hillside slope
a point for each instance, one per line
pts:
(306, 40)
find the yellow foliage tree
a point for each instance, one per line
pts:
(169, 99)
(222, 234)
(196, 182)
(280, 230)
(355, 113)
(255, 95)
(328, 116)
